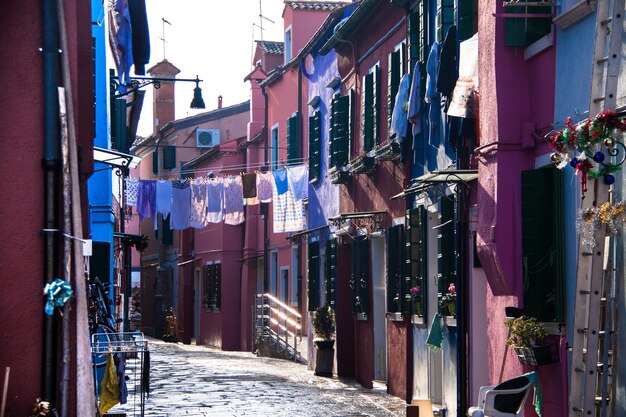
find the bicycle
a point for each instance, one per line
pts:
(101, 324)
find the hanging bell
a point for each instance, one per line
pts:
(556, 158)
(609, 142)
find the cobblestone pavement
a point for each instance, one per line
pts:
(190, 380)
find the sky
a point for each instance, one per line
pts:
(212, 39)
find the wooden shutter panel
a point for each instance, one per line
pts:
(169, 157)
(293, 140)
(120, 130)
(331, 269)
(217, 287)
(359, 280)
(341, 134)
(155, 162)
(542, 244)
(375, 104)
(206, 287)
(395, 268)
(468, 19)
(446, 248)
(415, 259)
(414, 37)
(314, 275)
(314, 146)
(351, 122)
(445, 17)
(332, 143)
(393, 84)
(367, 108)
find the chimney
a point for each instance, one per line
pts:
(219, 102)
(163, 104)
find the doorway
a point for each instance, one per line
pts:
(379, 308)
(197, 306)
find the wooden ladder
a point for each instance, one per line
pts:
(594, 309)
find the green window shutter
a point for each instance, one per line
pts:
(155, 162)
(314, 275)
(446, 255)
(169, 157)
(359, 279)
(206, 285)
(393, 84)
(395, 264)
(331, 271)
(217, 286)
(445, 17)
(167, 233)
(523, 31)
(468, 19)
(375, 104)
(332, 143)
(542, 244)
(414, 37)
(342, 131)
(120, 130)
(314, 145)
(351, 121)
(415, 260)
(293, 140)
(367, 109)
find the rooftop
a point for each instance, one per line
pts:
(316, 5)
(271, 47)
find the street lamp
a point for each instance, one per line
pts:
(137, 83)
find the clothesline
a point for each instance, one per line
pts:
(197, 202)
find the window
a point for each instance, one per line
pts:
(446, 256)
(284, 284)
(274, 273)
(169, 157)
(360, 276)
(293, 140)
(296, 278)
(330, 272)
(212, 286)
(275, 146)
(340, 129)
(369, 108)
(288, 44)
(527, 29)
(415, 263)
(418, 24)
(315, 143)
(166, 233)
(155, 162)
(396, 70)
(542, 244)
(445, 18)
(468, 19)
(395, 268)
(313, 257)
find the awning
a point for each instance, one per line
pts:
(370, 221)
(306, 232)
(448, 176)
(114, 158)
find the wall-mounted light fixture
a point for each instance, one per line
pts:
(137, 83)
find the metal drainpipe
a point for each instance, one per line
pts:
(301, 137)
(50, 52)
(462, 267)
(265, 206)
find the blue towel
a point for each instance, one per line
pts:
(280, 178)
(435, 335)
(533, 377)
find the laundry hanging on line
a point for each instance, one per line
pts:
(198, 202)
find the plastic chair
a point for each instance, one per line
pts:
(504, 400)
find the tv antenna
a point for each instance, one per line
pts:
(261, 18)
(163, 34)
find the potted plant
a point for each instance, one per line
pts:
(447, 302)
(416, 298)
(324, 327)
(527, 335)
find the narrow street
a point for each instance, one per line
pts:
(191, 380)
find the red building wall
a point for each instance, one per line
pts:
(22, 123)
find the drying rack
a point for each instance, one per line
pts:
(132, 348)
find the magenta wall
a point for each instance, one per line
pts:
(514, 93)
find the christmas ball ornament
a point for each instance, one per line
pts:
(573, 162)
(556, 158)
(609, 142)
(609, 179)
(598, 157)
